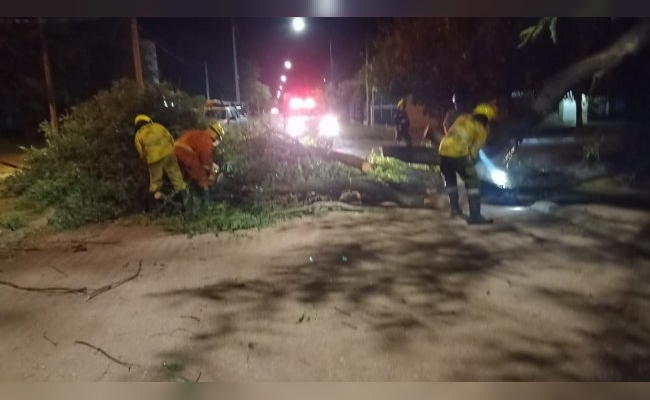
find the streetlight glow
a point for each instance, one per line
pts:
(283, 78)
(298, 24)
(287, 64)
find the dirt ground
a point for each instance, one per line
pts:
(383, 295)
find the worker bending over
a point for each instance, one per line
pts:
(195, 153)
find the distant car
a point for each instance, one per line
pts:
(216, 111)
(306, 120)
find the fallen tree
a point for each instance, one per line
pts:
(89, 171)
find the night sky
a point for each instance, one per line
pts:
(268, 41)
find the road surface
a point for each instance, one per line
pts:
(387, 294)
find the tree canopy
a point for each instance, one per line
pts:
(431, 57)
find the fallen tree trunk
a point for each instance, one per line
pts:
(371, 191)
(413, 154)
(329, 155)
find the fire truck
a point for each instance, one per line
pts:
(307, 119)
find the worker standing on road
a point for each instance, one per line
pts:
(155, 145)
(458, 155)
(402, 124)
(195, 153)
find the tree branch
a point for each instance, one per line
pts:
(630, 43)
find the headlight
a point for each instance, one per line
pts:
(329, 126)
(296, 126)
(500, 178)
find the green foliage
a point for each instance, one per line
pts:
(89, 171)
(13, 222)
(260, 158)
(531, 33)
(220, 217)
(392, 170)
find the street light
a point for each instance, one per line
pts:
(298, 24)
(283, 78)
(287, 64)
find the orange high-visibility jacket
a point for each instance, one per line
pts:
(200, 143)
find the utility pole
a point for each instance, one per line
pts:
(234, 56)
(49, 85)
(135, 43)
(373, 90)
(331, 64)
(368, 111)
(207, 81)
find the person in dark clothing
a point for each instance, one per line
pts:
(402, 124)
(460, 101)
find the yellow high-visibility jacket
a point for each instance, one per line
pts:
(154, 142)
(465, 137)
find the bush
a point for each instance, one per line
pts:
(90, 171)
(12, 222)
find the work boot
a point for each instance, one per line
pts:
(456, 211)
(475, 217)
(186, 199)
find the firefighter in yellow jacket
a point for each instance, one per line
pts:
(155, 146)
(458, 153)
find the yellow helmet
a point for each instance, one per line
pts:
(487, 110)
(141, 118)
(216, 131)
(400, 103)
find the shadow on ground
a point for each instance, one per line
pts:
(396, 283)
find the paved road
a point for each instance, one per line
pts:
(381, 295)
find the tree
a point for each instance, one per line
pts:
(255, 93)
(430, 57)
(590, 67)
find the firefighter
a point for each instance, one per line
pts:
(402, 124)
(458, 99)
(195, 151)
(155, 145)
(458, 155)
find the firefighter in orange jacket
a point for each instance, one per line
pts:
(458, 153)
(195, 151)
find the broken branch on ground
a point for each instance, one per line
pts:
(102, 351)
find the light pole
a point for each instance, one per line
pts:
(234, 53)
(207, 81)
